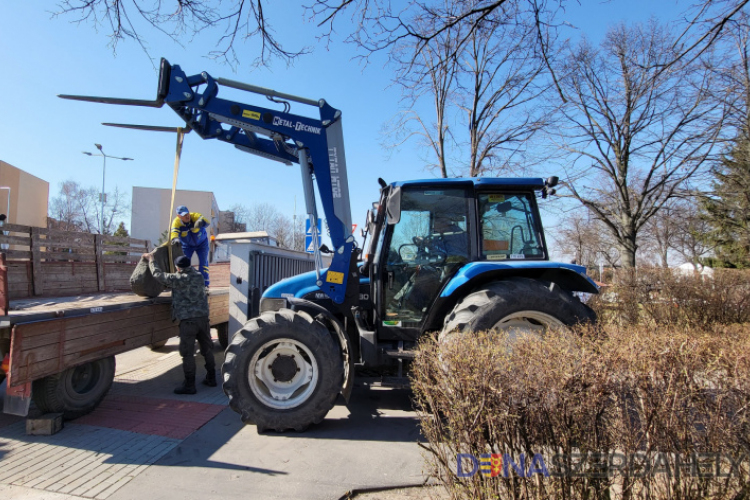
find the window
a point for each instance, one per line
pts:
(509, 227)
(429, 243)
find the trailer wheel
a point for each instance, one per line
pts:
(282, 371)
(519, 306)
(222, 331)
(75, 391)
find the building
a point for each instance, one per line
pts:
(152, 216)
(23, 197)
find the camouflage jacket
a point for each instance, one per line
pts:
(188, 292)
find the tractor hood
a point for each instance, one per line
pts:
(296, 286)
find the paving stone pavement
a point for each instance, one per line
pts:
(143, 441)
(138, 422)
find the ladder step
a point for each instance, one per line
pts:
(394, 353)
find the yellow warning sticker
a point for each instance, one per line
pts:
(496, 198)
(334, 277)
(253, 115)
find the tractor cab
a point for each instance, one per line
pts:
(425, 232)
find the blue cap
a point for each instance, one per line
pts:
(182, 262)
(182, 210)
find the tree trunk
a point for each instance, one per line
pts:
(627, 251)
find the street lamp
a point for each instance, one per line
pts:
(104, 171)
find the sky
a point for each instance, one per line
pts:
(43, 56)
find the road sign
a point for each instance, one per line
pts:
(309, 245)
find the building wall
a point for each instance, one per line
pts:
(151, 214)
(28, 196)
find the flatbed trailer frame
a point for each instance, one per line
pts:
(51, 335)
(48, 341)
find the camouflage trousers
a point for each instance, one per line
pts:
(191, 330)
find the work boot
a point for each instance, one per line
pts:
(210, 379)
(187, 387)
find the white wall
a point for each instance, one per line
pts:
(151, 214)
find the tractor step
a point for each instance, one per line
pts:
(395, 353)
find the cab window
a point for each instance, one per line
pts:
(509, 228)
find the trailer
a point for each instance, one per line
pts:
(66, 310)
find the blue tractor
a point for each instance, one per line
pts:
(443, 256)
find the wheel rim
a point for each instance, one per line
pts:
(283, 373)
(83, 379)
(527, 323)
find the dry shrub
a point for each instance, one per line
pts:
(576, 406)
(666, 297)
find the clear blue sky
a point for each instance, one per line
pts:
(44, 135)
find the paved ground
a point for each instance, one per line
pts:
(146, 442)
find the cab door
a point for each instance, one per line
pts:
(426, 245)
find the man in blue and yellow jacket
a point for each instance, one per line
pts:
(190, 230)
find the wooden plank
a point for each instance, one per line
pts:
(99, 264)
(16, 228)
(36, 258)
(27, 368)
(53, 349)
(110, 337)
(15, 240)
(67, 257)
(125, 239)
(125, 249)
(18, 254)
(121, 259)
(104, 319)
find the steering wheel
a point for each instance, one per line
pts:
(428, 253)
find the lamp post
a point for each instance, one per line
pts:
(104, 171)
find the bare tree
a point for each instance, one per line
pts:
(583, 239)
(633, 131)
(661, 232)
(432, 76)
(375, 25)
(691, 228)
(265, 217)
(79, 209)
(481, 94)
(236, 20)
(497, 87)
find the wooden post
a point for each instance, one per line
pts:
(4, 299)
(98, 242)
(36, 261)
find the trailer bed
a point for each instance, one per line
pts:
(50, 335)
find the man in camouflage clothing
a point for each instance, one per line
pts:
(190, 308)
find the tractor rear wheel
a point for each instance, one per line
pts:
(282, 371)
(75, 391)
(520, 306)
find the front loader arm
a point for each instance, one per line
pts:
(317, 145)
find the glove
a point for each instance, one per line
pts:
(201, 222)
(175, 241)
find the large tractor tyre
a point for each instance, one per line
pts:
(222, 331)
(517, 305)
(76, 391)
(282, 371)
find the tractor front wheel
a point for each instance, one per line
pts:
(282, 371)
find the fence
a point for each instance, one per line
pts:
(56, 263)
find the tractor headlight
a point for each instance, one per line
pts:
(269, 304)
